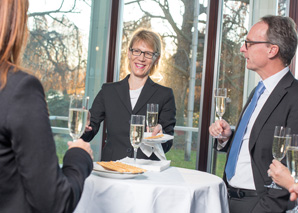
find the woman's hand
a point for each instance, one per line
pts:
(294, 192)
(156, 130)
(81, 144)
(88, 128)
(280, 174)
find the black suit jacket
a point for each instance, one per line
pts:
(280, 109)
(113, 105)
(30, 177)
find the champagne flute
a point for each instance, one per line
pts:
(152, 116)
(292, 162)
(137, 126)
(78, 112)
(281, 139)
(220, 95)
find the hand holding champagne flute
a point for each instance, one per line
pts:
(281, 138)
(292, 162)
(220, 95)
(137, 126)
(78, 112)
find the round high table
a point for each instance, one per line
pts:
(172, 190)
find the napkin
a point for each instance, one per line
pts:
(156, 149)
(149, 165)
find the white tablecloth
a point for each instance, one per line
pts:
(173, 190)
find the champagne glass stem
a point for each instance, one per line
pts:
(135, 155)
(219, 136)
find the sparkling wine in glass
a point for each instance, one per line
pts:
(137, 126)
(220, 95)
(152, 116)
(292, 162)
(78, 112)
(281, 138)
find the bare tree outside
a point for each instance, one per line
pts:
(56, 53)
(176, 67)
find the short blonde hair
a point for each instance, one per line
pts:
(152, 39)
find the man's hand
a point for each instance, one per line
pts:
(220, 127)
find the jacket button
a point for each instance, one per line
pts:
(128, 150)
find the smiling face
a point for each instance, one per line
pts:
(140, 65)
(257, 54)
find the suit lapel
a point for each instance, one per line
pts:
(123, 91)
(274, 99)
(148, 90)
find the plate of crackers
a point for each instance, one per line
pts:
(116, 169)
(159, 138)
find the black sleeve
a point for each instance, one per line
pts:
(97, 116)
(47, 187)
(167, 118)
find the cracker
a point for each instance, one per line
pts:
(154, 137)
(120, 167)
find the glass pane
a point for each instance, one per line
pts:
(183, 40)
(232, 65)
(57, 54)
(282, 7)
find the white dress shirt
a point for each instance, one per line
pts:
(243, 177)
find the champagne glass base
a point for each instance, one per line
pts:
(273, 186)
(294, 210)
(219, 136)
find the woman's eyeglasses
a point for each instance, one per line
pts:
(148, 55)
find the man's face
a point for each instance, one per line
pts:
(256, 54)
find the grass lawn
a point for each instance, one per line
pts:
(177, 159)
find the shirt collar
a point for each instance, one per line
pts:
(271, 82)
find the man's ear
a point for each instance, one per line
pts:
(273, 51)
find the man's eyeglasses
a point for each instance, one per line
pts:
(255, 42)
(148, 55)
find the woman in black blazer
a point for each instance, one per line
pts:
(30, 177)
(116, 102)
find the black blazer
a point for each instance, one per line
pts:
(30, 177)
(280, 109)
(113, 105)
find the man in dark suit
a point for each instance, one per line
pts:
(269, 48)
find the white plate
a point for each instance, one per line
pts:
(99, 170)
(163, 139)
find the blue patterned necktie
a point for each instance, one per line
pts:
(237, 141)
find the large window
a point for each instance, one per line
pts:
(182, 26)
(57, 54)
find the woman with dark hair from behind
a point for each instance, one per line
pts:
(30, 178)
